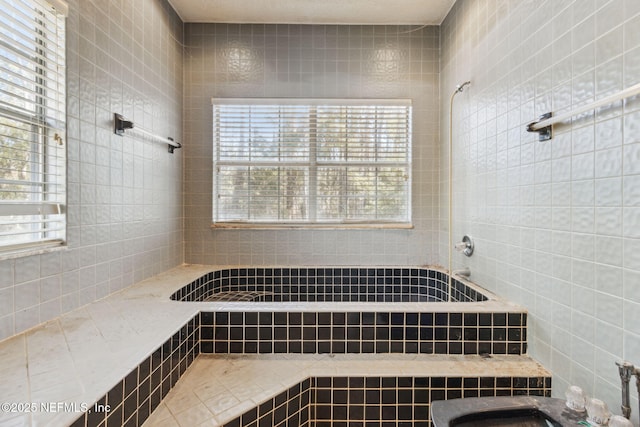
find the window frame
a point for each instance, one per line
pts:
(42, 119)
(313, 163)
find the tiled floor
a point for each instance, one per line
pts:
(219, 388)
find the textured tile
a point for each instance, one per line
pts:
(303, 62)
(589, 50)
(193, 415)
(94, 94)
(220, 403)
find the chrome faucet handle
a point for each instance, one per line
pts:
(466, 246)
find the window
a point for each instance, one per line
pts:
(32, 123)
(311, 162)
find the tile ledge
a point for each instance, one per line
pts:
(45, 361)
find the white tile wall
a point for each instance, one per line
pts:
(124, 195)
(310, 61)
(556, 223)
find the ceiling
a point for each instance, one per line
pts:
(418, 12)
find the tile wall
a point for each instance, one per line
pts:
(556, 223)
(124, 194)
(223, 60)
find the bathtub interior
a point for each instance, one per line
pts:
(371, 310)
(330, 284)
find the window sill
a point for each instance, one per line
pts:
(39, 249)
(306, 226)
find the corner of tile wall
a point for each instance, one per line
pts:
(555, 222)
(124, 213)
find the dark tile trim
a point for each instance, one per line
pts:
(363, 332)
(326, 284)
(131, 400)
(378, 401)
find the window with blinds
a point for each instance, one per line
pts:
(32, 123)
(311, 162)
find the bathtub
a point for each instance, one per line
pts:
(357, 316)
(351, 310)
(328, 284)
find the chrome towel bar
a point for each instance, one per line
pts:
(120, 125)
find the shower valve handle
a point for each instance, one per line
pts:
(466, 246)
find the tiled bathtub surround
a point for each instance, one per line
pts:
(328, 284)
(378, 401)
(140, 392)
(290, 408)
(127, 350)
(338, 391)
(363, 332)
(136, 396)
(338, 329)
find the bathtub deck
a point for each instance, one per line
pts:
(80, 356)
(218, 388)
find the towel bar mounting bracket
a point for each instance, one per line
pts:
(545, 133)
(120, 124)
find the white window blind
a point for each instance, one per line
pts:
(318, 161)
(32, 123)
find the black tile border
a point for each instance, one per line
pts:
(138, 394)
(363, 332)
(327, 284)
(377, 401)
(290, 408)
